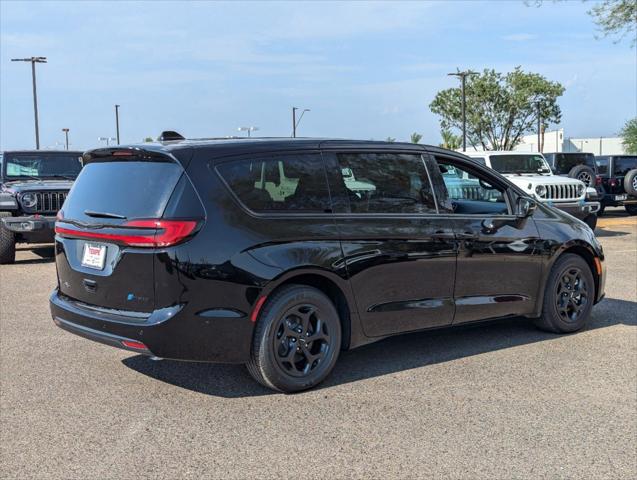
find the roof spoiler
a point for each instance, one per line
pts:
(150, 153)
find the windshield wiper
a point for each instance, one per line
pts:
(58, 175)
(91, 213)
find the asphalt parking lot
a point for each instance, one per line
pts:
(501, 400)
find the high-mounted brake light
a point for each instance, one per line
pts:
(122, 153)
(147, 232)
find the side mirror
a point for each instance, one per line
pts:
(525, 207)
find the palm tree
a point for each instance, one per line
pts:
(449, 140)
(416, 137)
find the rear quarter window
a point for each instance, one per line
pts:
(622, 165)
(278, 183)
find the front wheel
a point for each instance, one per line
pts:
(569, 295)
(7, 243)
(296, 341)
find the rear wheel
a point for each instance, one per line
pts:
(7, 243)
(296, 341)
(631, 209)
(569, 295)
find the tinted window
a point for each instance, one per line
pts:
(519, 163)
(480, 160)
(470, 192)
(564, 162)
(622, 165)
(43, 165)
(386, 183)
(130, 189)
(602, 165)
(283, 183)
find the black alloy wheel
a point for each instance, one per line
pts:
(569, 295)
(297, 339)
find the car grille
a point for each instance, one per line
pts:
(49, 201)
(561, 192)
(472, 193)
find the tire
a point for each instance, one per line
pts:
(584, 174)
(292, 314)
(7, 243)
(568, 297)
(630, 182)
(591, 221)
(602, 209)
(631, 209)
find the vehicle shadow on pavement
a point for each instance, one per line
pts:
(45, 254)
(601, 232)
(395, 354)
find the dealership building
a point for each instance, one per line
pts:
(555, 141)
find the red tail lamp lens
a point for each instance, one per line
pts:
(135, 345)
(598, 180)
(144, 233)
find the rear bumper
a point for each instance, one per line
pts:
(579, 210)
(610, 200)
(170, 332)
(31, 228)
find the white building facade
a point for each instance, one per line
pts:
(555, 141)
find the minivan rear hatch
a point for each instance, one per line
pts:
(111, 227)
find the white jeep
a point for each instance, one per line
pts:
(531, 173)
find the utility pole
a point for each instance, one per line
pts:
(539, 127)
(463, 80)
(33, 61)
(295, 124)
(117, 122)
(66, 137)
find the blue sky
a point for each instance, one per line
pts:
(365, 69)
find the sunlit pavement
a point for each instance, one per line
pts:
(501, 400)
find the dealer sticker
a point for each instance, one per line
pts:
(94, 256)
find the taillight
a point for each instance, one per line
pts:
(143, 233)
(612, 182)
(598, 180)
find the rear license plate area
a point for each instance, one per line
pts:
(94, 256)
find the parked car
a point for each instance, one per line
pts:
(531, 173)
(33, 186)
(577, 165)
(617, 181)
(190, 250)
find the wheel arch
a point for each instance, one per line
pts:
(584, 251)
(334, 288)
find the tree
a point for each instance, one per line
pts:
(616, 18)
(449, 140)
(415, 137)
(629, 136)
(501, 108)
(390, 139)
(148, 139)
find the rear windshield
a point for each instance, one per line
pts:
(42, 165)
(564, 162)
(123, 188)
(624, 164)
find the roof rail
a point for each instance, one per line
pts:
(170, 135)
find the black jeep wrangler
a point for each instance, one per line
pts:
(617, 181)
(577, 165)
(33, 187)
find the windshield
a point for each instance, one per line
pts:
(624, 164)
(42, 165)
(564, 162)
(519, 164)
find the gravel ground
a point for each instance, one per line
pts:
(501, 400)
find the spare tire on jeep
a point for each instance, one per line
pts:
(584, 174)
(630, 182)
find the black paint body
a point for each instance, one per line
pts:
(387, 274)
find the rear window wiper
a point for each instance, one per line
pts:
(91, 213)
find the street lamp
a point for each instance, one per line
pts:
(295, 123)
(106, 139)
(463, 77)
(33, 61)
(117, 122)
(248, 129)
(66, 137)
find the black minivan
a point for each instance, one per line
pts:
(280, 253)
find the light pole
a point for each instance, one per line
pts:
(33, 61)
(539, 126)
(66, 137)
(117, 122)
(463, 78)
(106, 139)
(248, 129)
(294, 121)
